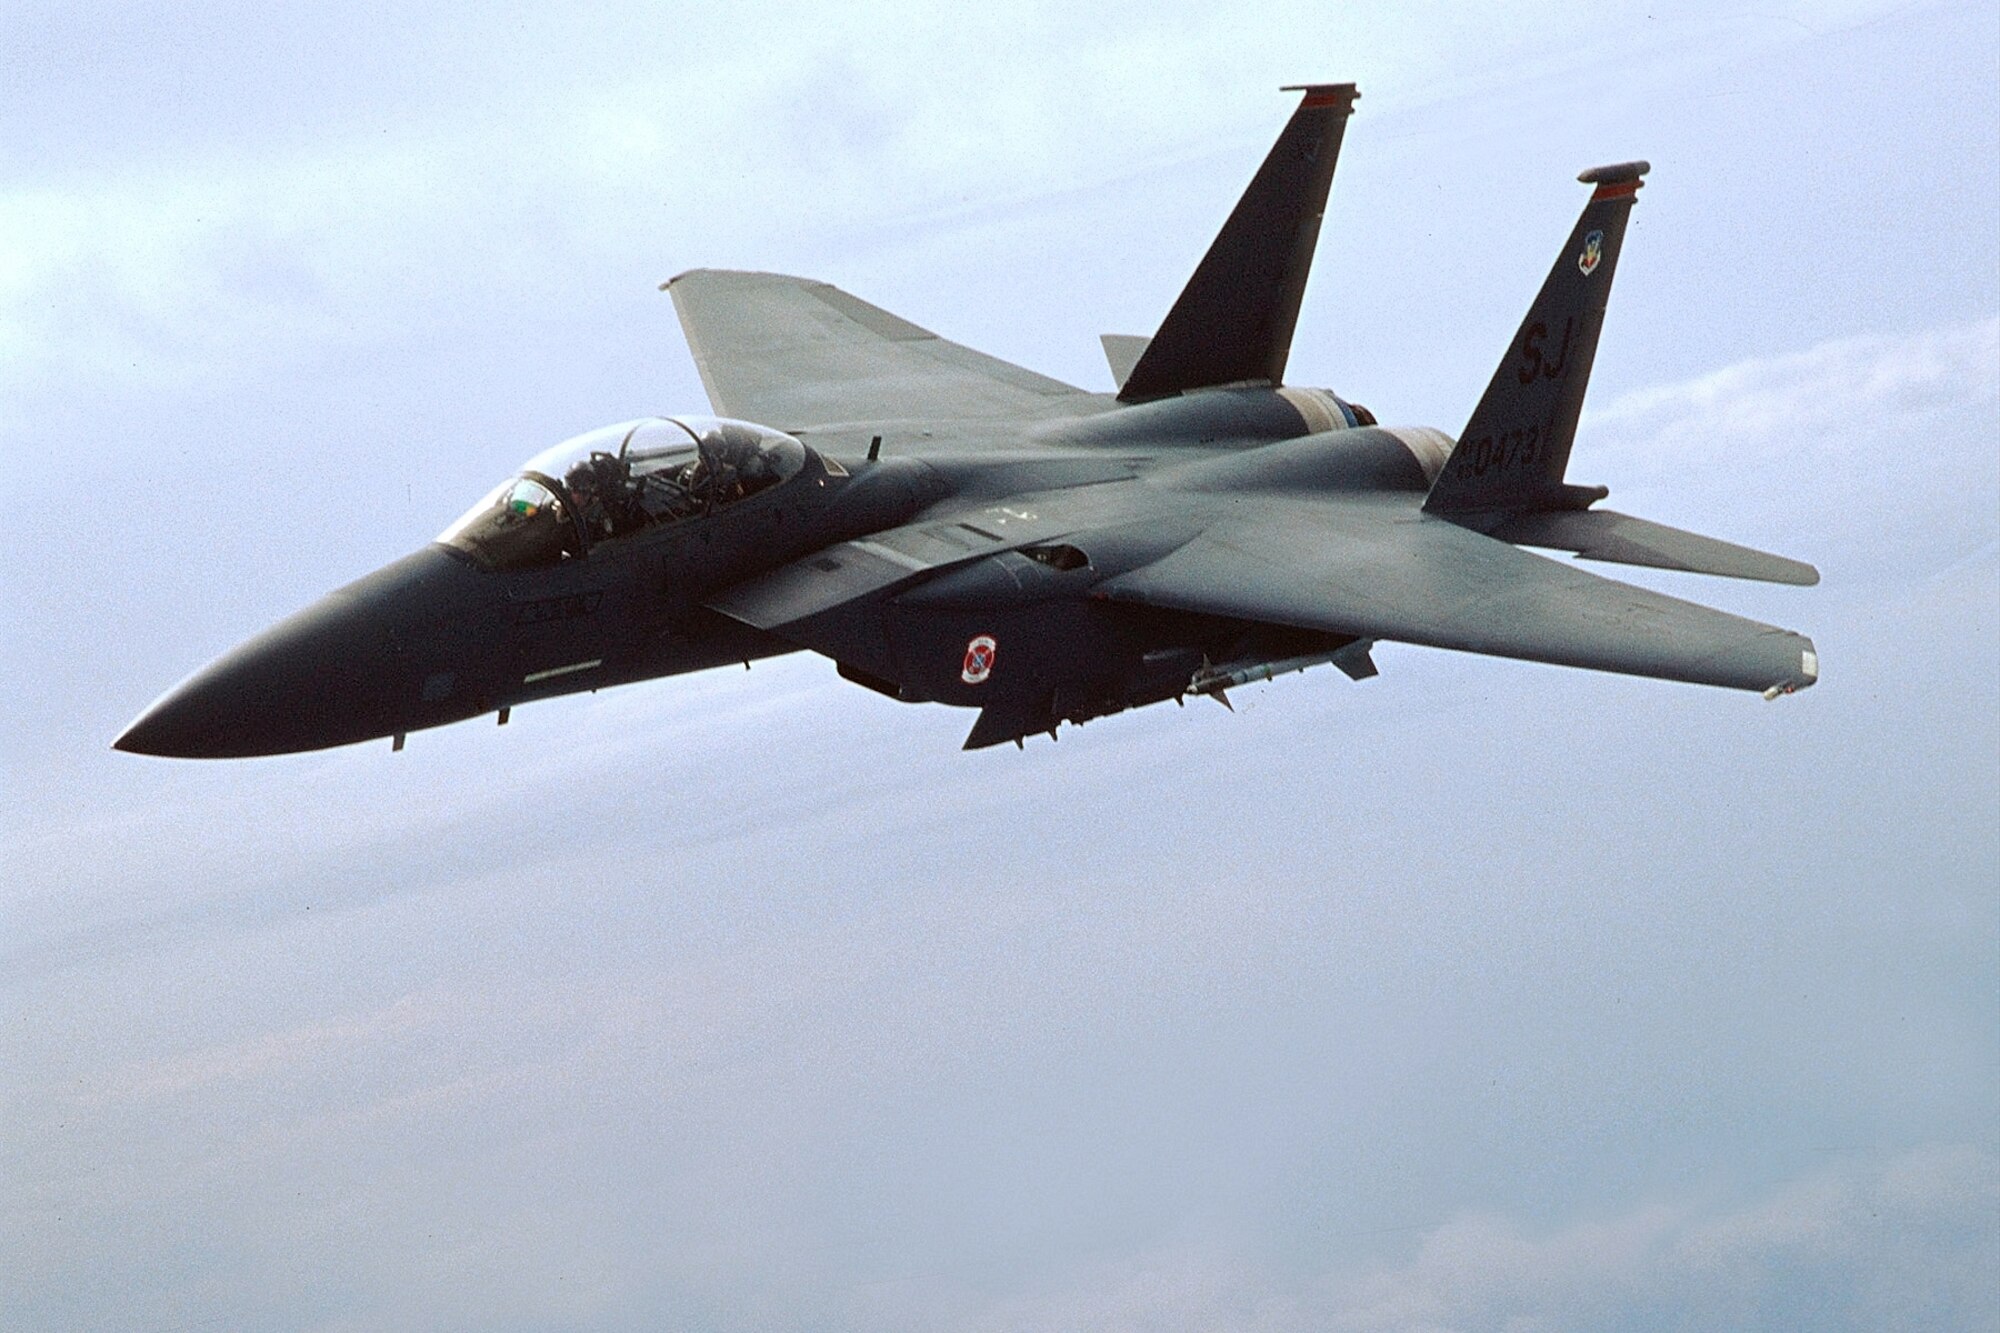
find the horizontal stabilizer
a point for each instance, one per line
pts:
(1123, 351)
(1602, 534)
(1234, 320)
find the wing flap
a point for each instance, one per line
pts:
(794, 353)
(1372, 572)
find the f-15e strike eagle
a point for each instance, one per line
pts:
(951, 528)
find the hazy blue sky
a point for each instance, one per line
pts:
(1481, 995)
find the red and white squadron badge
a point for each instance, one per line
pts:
(979, 655)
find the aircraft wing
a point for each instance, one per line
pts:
(1383, 572)
(794, 353)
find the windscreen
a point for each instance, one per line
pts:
(519, 525)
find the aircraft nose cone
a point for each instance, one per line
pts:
(302, 685)
(329, 675)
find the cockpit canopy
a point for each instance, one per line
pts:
(619, 480)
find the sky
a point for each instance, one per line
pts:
(1479, 995)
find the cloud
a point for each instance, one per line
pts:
(1870, 456)
(215, 238)
(452, 159)
(1907, 1241)
(1803, 408)
(1863, 1247)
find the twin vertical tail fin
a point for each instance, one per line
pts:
(1515, 448)
(1233, 322)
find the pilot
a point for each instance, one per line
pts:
(711, 480)
(756, 471)
(604, 495)
(732, 467)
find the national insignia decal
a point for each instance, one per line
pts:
(1593, 250)
(979, 655)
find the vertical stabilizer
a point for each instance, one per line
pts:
(1515, 448)
(1233, 322)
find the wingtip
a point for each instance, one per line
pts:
(1784, 569)
(739, 274)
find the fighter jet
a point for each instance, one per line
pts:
(951, 528)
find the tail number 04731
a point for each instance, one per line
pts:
(1513, 449)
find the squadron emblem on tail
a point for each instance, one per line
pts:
(1593, 250)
